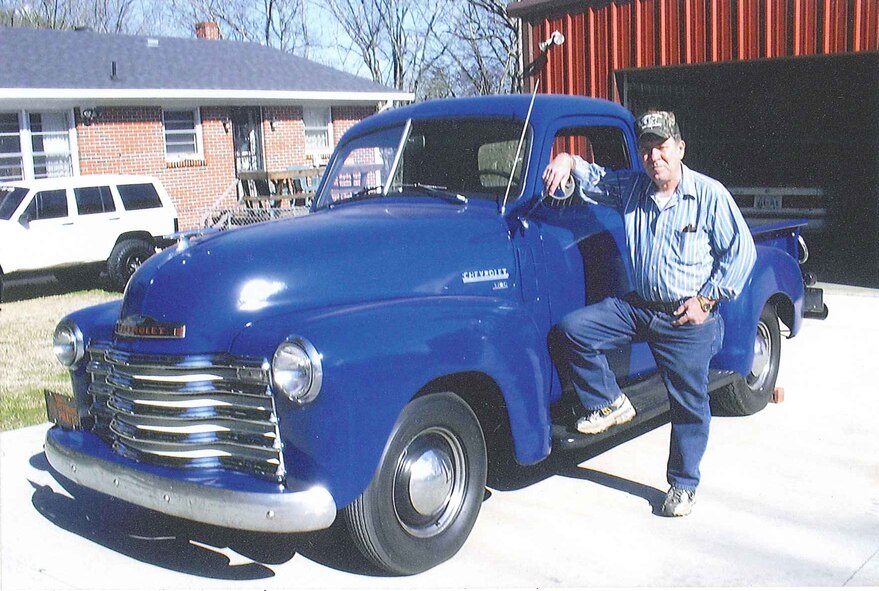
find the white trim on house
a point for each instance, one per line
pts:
(136, 97)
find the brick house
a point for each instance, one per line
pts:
(192, 112)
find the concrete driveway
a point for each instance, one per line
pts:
(790, 497)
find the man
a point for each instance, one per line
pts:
(689, 247)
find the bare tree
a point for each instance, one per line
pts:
(398, 41)
(105, 16)
(275, 23)
(487, 51)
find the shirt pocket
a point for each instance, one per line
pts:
(690, 247)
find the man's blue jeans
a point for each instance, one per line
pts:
(682, 355)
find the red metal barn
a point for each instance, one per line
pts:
(775, 97)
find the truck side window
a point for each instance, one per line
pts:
(604, 145)
(139, 196)
(48, 205)
(91, 200)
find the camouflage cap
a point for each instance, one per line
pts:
(659, 123)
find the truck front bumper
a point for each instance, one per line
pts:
(308, 509)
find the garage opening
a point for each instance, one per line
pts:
(805, 123)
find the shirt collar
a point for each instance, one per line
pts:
(687, 186)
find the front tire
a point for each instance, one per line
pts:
(427, 491)
(751, 395)
(125, 259)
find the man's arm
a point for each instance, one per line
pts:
(594, 183)
(733, 248)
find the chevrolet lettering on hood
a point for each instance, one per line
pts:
(144, 327)
(485, 275)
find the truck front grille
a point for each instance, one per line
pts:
(205, 411)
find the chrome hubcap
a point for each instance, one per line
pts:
(429, 483)
(762, 357)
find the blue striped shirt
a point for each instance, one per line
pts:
(697, 244)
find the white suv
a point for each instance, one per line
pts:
(63, 223)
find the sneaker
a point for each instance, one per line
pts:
(620, 411)
(678, 502)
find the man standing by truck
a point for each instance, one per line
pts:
(689, 247)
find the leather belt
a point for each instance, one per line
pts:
(658, 306)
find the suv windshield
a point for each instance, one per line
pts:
(10, 198)
(469, 157)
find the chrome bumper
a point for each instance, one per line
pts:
(306, 510)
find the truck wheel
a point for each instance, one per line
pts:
(751, 395)
(427, 491)
(126, 257)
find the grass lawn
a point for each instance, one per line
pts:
(27, 363)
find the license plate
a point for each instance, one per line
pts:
(61, 410)
(767, 201)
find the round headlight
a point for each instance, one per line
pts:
(67, 344)
(296, 370)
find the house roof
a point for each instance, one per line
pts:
(51, 66)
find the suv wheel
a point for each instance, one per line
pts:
(126, 257)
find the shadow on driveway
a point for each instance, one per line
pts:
(181, 545)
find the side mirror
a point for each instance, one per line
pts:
(25, 220)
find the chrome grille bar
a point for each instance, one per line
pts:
(190, 412)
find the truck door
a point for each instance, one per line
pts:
(584, 244)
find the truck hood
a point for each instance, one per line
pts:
(354, 254)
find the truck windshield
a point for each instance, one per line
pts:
(470, 157)
(10, 198)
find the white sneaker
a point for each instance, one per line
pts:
(620, 411)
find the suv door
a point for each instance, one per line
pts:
(48, 239)
(97, 224)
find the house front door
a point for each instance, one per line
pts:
(247, 139)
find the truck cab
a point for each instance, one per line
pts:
(379, 358)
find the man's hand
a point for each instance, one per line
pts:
(558, 172)
(690, 312)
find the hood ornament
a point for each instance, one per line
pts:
(144, 327)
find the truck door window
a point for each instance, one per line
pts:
(91, 200)
(48, 205)
(604, 145)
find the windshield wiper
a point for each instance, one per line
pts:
(364, 193)
(435, 191)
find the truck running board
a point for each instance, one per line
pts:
(649, 397)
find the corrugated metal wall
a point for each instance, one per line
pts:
(608, 35)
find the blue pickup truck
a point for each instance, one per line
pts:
(379, 358)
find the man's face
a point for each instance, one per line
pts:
(661, 158)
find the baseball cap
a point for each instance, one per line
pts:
(658, 123)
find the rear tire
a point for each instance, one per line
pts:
(752, 394)
(126, 258)
(427, 491)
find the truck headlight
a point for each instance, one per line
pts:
(67, 343)
(296, 370)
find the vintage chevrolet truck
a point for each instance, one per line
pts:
(376, 359)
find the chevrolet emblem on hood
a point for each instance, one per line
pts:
(144, 327)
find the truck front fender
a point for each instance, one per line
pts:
(376, 357)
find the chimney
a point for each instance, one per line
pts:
(207, 30)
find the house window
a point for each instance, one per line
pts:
(11, 164)
(36, 145)
(318, 130)
(182, 134)
(50, 144)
